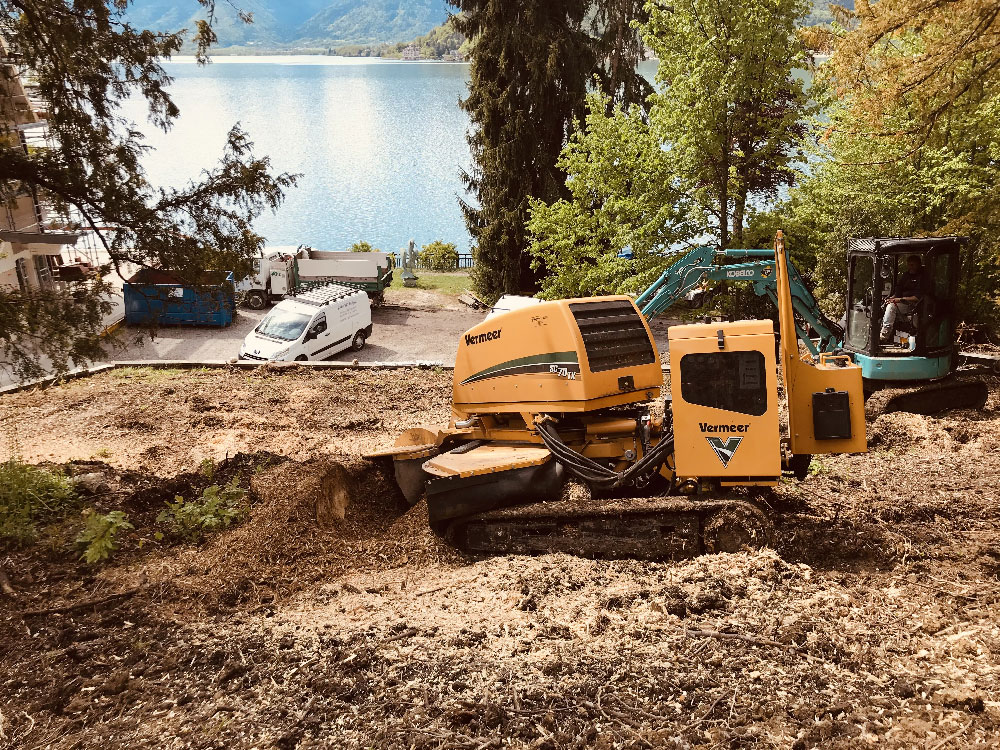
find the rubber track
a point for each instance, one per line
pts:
(953, 392)
(641, 528)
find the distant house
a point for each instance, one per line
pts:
(411, 53)
(33, 236)
(454, 55)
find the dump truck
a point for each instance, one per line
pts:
(564, 436)
(290, 270)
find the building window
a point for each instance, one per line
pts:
(22, 274)
(42, 271)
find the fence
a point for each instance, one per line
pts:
(465, 261)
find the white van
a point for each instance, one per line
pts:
(311, 326)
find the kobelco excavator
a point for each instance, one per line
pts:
(563, 436)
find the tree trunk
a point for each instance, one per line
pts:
(739, 210)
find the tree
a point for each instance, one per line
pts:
(624, 193)
(730, 109)
(934, 54)
(439, 256)
(362, 247)
(86, 59)
(620, 49)
(530, 66)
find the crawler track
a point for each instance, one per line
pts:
(960, 391)
(642, 528)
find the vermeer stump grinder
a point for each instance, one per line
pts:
(563, 437)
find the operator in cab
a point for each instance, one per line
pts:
(910, 289)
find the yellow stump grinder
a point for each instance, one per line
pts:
(564, 438)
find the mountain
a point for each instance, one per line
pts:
(371, 21)
(296, 23)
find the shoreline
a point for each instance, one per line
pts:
(305, 58)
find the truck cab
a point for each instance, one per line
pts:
(314, 325)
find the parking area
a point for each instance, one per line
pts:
(399, 334)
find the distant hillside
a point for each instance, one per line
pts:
(373, 21)
(282, 24)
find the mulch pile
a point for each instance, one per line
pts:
(871, 623)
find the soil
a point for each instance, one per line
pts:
(872, 622)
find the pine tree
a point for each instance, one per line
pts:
(528, 81)
(620, 49)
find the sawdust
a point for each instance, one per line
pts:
(871, 623)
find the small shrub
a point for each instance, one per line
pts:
(439, 256)
(98, 536)
(218, 508)
(207, 468)
(28, 494)
(362, 247)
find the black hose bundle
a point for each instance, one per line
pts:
(597, 474)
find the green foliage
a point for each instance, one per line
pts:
(207, 468)
(436, 43)
(86, 59)
(440, 256)
(27, 495)
(623, 194)
(218, 508)
(527, 85)
(362, 247)
(98, 536)
(873, 186)
(730, 111)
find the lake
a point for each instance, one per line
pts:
(379, 144)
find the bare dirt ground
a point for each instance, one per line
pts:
(871, 623)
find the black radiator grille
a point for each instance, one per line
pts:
(613, 335)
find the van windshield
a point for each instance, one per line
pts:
(283, 325)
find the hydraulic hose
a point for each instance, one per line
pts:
(593, 472)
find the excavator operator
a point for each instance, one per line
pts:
(910, 290)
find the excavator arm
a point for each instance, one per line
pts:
(703, 264)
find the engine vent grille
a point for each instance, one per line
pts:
(613, 335)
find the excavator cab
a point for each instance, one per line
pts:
(920, 344)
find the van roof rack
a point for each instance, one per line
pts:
(323, 295)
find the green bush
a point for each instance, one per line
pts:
(362, 247)
(439, 256)
(98, 536)
(27, 495)
(217, 508)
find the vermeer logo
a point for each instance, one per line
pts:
(706, 427)
(725, 449)
(479, 338)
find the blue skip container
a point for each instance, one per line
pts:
(160, 298)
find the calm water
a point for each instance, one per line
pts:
(379, 144)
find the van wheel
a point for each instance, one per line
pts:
(302, 358)
(256, 300)
(359, 341)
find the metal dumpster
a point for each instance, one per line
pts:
(159, 298)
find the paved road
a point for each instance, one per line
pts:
(398, 335)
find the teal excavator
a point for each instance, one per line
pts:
(914, 369)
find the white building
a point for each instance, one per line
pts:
(32, 246)
(411, 53)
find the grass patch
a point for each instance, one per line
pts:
(147, 374)
(29, 495)
(452, 284)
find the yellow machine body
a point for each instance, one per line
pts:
(808, 380)
(569, 390)
(724, 389)
(575, 355)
